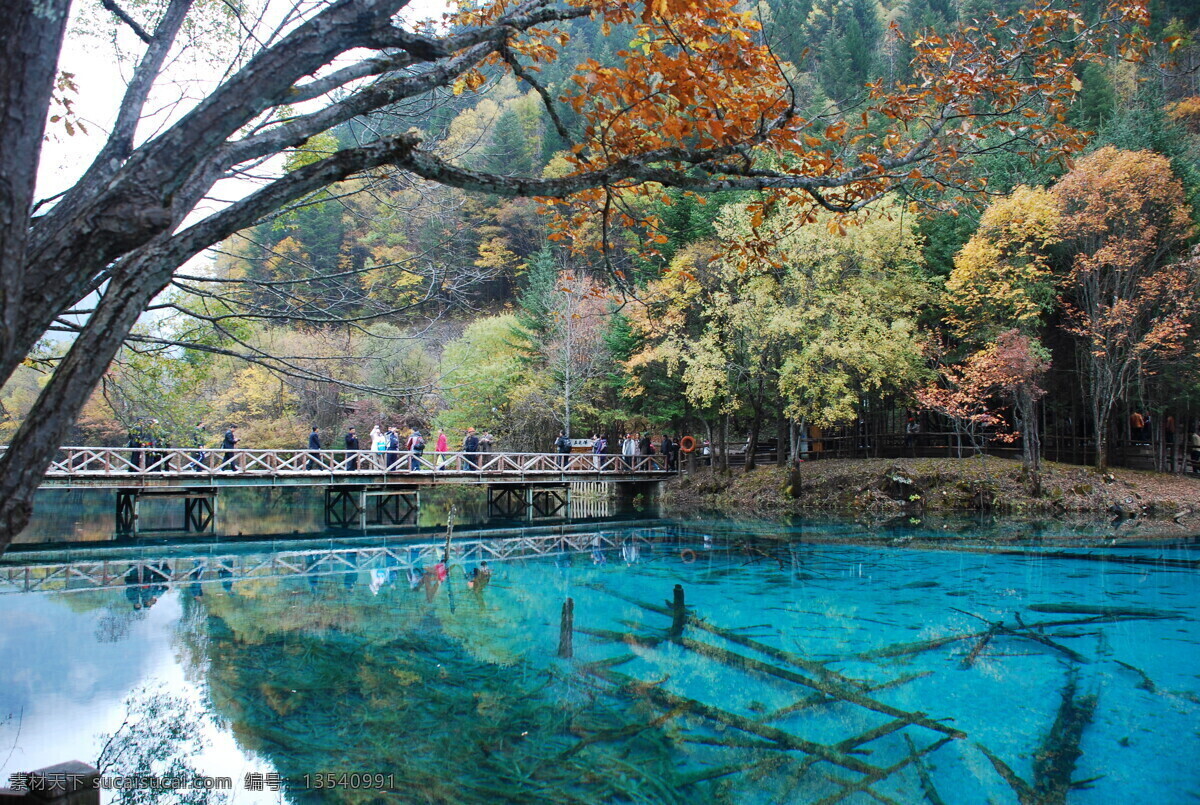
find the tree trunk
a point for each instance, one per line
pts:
(1031, 443)
(752, 445)
(57, 407)
(725, 444)
(782, 442)
(1100, 413)
(30, 41)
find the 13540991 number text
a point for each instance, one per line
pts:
(345, 779)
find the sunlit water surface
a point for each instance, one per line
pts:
(811, 671)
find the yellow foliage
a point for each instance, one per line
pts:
(1002, 276)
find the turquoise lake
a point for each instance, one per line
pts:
(818, 662)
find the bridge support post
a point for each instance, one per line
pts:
(392, 506)
(549, 502)
(343, 508)
(529, 501)
(370, 507)
(506, 501)
(199, 514)
(199, 510)
(128, 511)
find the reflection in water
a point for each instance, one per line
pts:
(798, 672)
(158, 738)
(69, 516)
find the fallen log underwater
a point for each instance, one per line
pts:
(825, 683)
(1055, 758)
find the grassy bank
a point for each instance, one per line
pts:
(934, 485)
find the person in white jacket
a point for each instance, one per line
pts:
(629, 450)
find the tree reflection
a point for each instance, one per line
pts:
(160, 736)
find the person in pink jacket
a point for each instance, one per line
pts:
(441, 447)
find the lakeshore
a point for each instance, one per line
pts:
(888, 487)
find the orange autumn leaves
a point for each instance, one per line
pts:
(1105, 245)
(697, 100)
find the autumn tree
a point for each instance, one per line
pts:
(483, 380)
(1003, 277)
(701, 104)
(811, 328)
(1129, 297)
(963, 395)
(562, 324)
(1006, 374)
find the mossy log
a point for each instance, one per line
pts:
(1145, 682)
(927, 786)
(672, 701)
(1054, 760)
(869, 780)
(1104, 557)
(733, 637)
(1109, 611)
(817, 699)
(1027, 633)
(969, 660)
(921, 646)
(823, 686)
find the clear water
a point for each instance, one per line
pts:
(822, 651)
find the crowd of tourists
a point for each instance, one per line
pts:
(404, 449)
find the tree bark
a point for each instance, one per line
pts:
(30, 40)
(39, 437)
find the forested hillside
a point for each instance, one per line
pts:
(1053, 296)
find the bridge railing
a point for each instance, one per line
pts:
(109, 461)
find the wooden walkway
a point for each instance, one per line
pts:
(126, 468)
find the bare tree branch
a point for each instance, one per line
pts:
(124, 17)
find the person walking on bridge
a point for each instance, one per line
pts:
(471, 450)
(352, 446)
(629, 450)
(228, 444)
(599, 444)
(314, 443)
(416, 446)
(441, 447)
(563, 445)
(393, 449)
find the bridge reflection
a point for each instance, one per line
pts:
(127, 567)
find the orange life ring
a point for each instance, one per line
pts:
(687, 555)
(687, 444)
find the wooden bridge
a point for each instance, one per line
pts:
(124, 467)
(363, 488)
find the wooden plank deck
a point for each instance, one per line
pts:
(178, 468)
